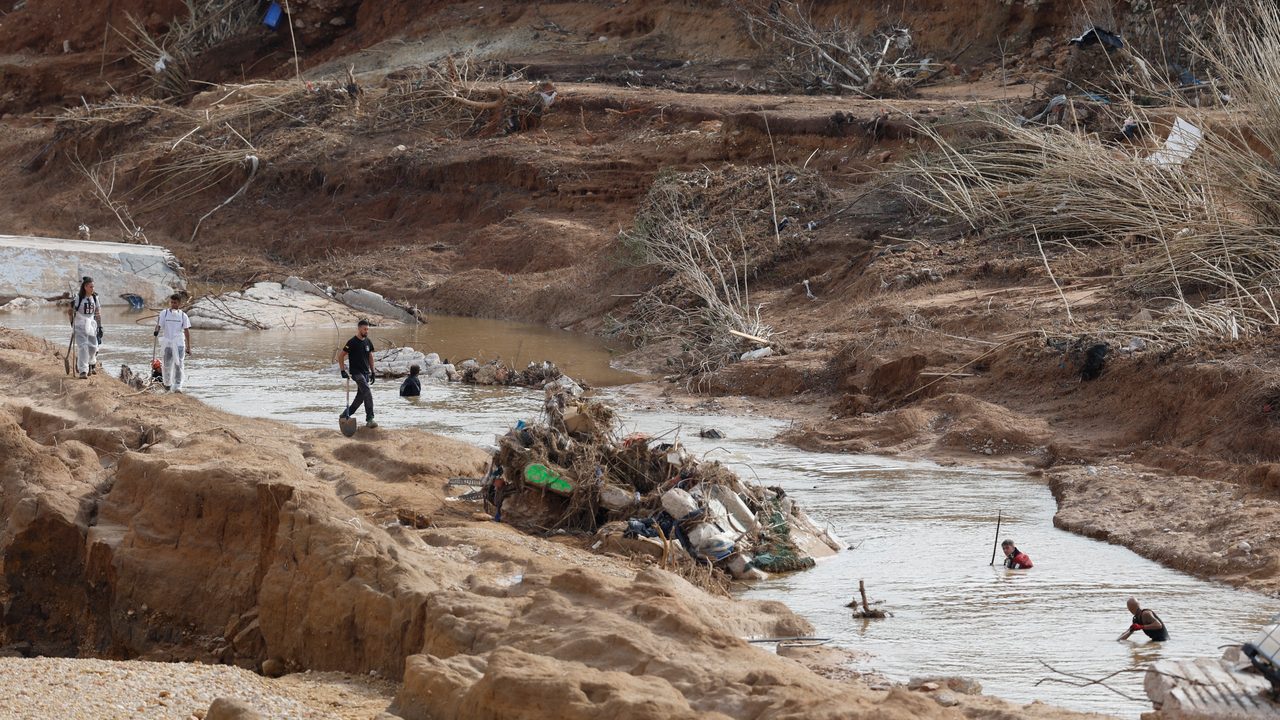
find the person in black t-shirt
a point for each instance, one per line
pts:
(359, 350)
(412, 386)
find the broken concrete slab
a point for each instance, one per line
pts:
(268, 305)
(372, 302)
(1207, 689)
(47, 268)
(294, 282)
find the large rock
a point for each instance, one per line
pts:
(232, 709)
(49, 267)
(372, 302)
(269, 305)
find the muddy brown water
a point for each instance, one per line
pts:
(922, 534)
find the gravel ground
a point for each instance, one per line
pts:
(106, 690)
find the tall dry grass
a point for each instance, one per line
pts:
(1210, 223)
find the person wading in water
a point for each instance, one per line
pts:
(1014, 559)
(1147, 621)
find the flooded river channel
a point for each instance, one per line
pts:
(922, 533)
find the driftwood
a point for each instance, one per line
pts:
(866, 612)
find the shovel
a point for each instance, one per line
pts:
(66, 359)
(347, 424)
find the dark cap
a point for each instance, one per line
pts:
(363, 322)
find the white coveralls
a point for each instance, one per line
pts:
(172, 323)
(85, 328)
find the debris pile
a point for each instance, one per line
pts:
(538, 376)
(642, 495)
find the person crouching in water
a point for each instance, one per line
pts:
(173, 327)
(1014, 559)
(1147, 621)
(86, 324)
(412, 386)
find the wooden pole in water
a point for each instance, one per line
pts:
(996, 545)
(862, 590)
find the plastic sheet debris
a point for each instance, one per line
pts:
(1183, 140)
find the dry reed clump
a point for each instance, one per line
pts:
(1207, 221)
(712, 231)
(447, 94)
(167, 58)
(458, 97)
(831, 57)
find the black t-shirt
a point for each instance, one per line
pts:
(358, 354)
(411, 387)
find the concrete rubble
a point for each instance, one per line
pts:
(51, 268)
(1210, 689)
(267, 305)
(395, 363)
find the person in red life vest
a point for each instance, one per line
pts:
(1014, 559)
(1147, 621)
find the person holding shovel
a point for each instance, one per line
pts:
(173, 327)
(359, 350)
(86, 324)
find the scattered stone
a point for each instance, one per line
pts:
(273, 667)
(946, 698)
(962, 685)
(710, 434)
(1135, 344)
(229, 709)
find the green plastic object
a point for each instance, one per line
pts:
(543, 477)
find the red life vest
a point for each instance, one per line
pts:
(1018, 560)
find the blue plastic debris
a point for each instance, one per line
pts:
(272, 18)
(135, 301)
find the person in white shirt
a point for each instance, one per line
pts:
(86, 323)
(173, 327)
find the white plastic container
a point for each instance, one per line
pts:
(1268, 643)
(678, 503)
(615, 498)
(735, 506)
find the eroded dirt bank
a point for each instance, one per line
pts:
(152, 527)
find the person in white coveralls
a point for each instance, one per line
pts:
(86, 324)
(173, 327)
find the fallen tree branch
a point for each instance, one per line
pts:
(253, 171)
(1086, 682)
